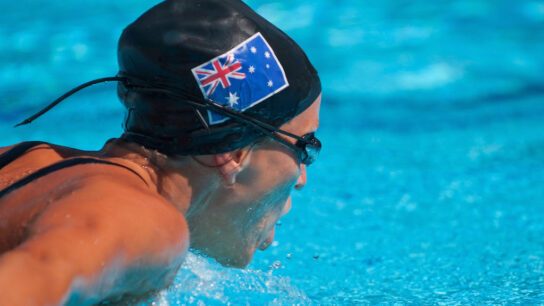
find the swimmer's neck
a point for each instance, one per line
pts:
(180, 180)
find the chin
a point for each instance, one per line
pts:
(233, 257)
(239, 261)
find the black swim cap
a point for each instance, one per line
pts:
(169, 56)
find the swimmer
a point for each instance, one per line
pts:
(222, 108)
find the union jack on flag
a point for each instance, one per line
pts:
(242, 77)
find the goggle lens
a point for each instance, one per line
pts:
(309, 148)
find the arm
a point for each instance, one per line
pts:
(101, 241)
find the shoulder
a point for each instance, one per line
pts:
(103, 230)
(124, 213)
(27, 144)
(5, 149)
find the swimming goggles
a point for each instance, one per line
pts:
(307, 147)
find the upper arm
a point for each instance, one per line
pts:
(106, 239)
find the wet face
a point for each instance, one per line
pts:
(240, 218)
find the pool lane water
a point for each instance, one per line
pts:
(450, 213)
(429, 189)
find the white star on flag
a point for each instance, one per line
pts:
(270, 83)
(251, 69)
(267, 54)
(233, 99)
(253, 50)
(267, 66)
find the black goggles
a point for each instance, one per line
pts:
(307, 147)
(310, 146)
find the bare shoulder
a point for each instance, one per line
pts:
(114, 206)
(5, 149)
(109, 231)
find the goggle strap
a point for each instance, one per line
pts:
(221, 109)
(66, 95)
(264, 127)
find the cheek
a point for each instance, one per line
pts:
(279, 170)
(277, 184)
(240, 218)
(278, 177)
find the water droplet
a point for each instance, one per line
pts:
(277, 264)
(288, 256)
(278, 223)
(316, 256)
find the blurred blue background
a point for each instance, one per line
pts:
(430, 187)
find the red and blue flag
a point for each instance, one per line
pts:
(242, 77)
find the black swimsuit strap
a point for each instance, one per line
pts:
(14, 153)
(21, 148)
(58, 166)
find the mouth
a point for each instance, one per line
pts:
(268, 241)
(270, 238)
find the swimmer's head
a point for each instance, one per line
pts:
(210, 78)
(186, 51)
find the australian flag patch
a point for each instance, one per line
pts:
(242, 77)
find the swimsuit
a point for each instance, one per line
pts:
(20, 149)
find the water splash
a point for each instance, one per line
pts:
(201, 281)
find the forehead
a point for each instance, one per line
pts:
(305, 122)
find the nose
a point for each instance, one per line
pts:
(302, 178)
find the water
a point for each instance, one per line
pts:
(430, 184)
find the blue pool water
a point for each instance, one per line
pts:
(430, 187)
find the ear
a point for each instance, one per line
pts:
(230, 164)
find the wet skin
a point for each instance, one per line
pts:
(240, 217)
(94, 231)
(102, 232)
